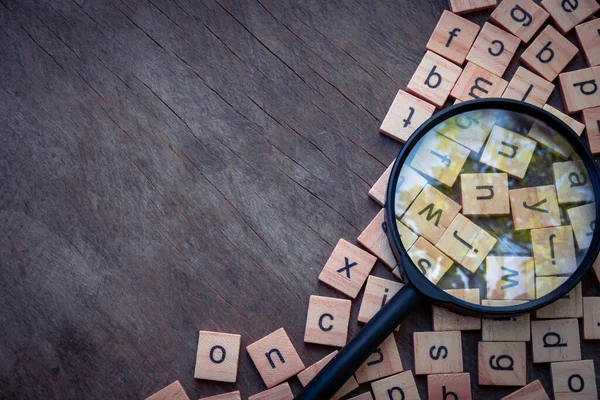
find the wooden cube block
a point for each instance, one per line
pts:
(409, 185)
(466, 243)
(172, 392)
(567, 14)
(583, 221)
(555, 340)
(437, 352)
(484, 194)
(553, 251)
(520, 17)
(589, 41)
(469, 129)
(577, 126)
(574, 380)
(225, 396)
(374, 238)
(505, 329)
(449, 386)
(466, 6)
(364, 396)
(384, 361)
(429, 259)
(431, 213)
(502, 363)
(377, 293)
(281, 392)
(407, 236)
(533, 391)
(218, 356)
(549, 53)
(477, 83)
(434, 78)
(568, 306)
(347, 268)
(572, 182)
(401, 386)
(534, 207)
(452, 37)
(440, 158)
(510, 278)
(275, 358)
(528, 87)
(579, 89)
(493, 49)
(446, 320)
(378, 191)
(405, 115)
(591, 318)
(310, 372)
(327, 321)
(508, 151)
(591, 119)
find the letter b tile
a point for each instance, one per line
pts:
(327, 321)
(549, 53)
(502, 363)
(434, 78)
(217, 356)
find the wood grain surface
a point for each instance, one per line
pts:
(170, 166)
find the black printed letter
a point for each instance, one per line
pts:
(435, 75)
(212, 354)
(476, 86)
(438, 352)
(590, 89)
(520, 15)
(276, 351)
(545, 50)
(323, 328)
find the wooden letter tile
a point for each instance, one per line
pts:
(477, 83)
(437, 352)
(568, 306)
(572, 182)
(553, 250)
(431, 213)
(550, 139)
(591, 119)
(275, 358)
(508, 151)
(446, 320)
(327, 321)
(589, 41)
(549, 53)
(429, 259)
(310, 372)
(520, 17)
(577, 126)
(534, 207)
(510, 278)
(528, 87)
(407, 236)
(405, 115)
(505, 329)
(467, 6)
(434, 78)
(466, 243)
(440, 158)
(574, 380)
(364, 396)
(567, 14)
(225, 396)
(484, 194)
(452, 37)
(384, 361)
(217, 356)
(533, 391)
(374, 238)
(281, 392)
(591, 318)
(409, 185)
(493, 49)
(399, 386)
(579, 89)
(583, 221)
(502, 363)
(347, 268)
(470, 129)
(172, 392)
(449, 386)
(377, 293)
(379, 190)
(555, 340)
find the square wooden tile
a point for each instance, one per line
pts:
(534, 207)
(591, 119)
(589, 41)
(327, 321)
(469, 129)
(437, 352)
(522, 18)
(466, 243)
(555, 340)
(579, 89)
(384, 361)
(429, 259)
(549, 138)
(574, 380)
(484, 194)
(493, 49)
(405, 115)
(434, 78)
(452, 37)
(591, 318)
(407, 236)
(363, 396)
(218, 356)
(347, 268)
(549, 53)
(583, 221)
(577, 126)
(568, 306)
(505, 329)
(477, 83)
(275, 358)
(172, 392)
(409, 185)
(225, 396)
(446, 320)
(431, 213)
(572, 182)
(567, 14)
(510, 278)
(502, 363)
(553, 250)
(396, 386)
(467, 6)
(440, 158)
(306, 376)
(377, 293)
(449, 386)
(528, 87)
(375, 239)
(378, 191)
(508, 151)
(281, 392)
(533, 391)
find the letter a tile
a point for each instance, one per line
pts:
(572, 182)
(434, 78)
(579, 89)
(502, 363)
(217, 356)
(549, 53)
(477, 83)
(533, 391)
(440, 158)
(327, 321)
(583, 221)
(401, 386)
(534, 207)
(508, 151)
(452, 37)
(494, 48)
(574, 380)
(438, 352)
(522, 18)
(405, 115)
(484, 194)
(567, 14)
(384, 361)
(555, 340)
(172, 392)
(510, 278)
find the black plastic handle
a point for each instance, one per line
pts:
(337, 371)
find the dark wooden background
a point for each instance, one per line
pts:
(168, 166)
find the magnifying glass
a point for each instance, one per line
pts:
(495, 197)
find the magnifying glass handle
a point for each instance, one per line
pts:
(337, 371)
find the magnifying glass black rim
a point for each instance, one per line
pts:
(425, 286)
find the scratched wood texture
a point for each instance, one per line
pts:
(168, 166)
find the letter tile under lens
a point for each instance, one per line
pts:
(477, 83)
(429, 260)
(384, 361)
(217, 356)
(172, 392)
(528, 87)
(467, 6)
(533, 391)
(407, 236)
(522, 18)
(440, 158)
(470, 129)
(508, 151)
(449, 386)
(377, 293)
(591, 118)
(484, 194)
(405, 115)
(375, 239)
(591, 318)
(452, 37)
(510, 278)
(378, 191)
(547, 137)
(579, 89)
(583, 221)
(589, 41)
(567, 14)
(534, 207)
(568, 306)
(309, 373)
(493, 49)
(549, 53)
(409, 185)
(555, 340)
(574, 380)
(327, 321)
(572, 182)
(281, 392)
(553, 251)
(225, 396)
(434, 78)
(437, 352)
(577, 126)
(446, 320)
(397, 386)
(502, 363)
(507, 329)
